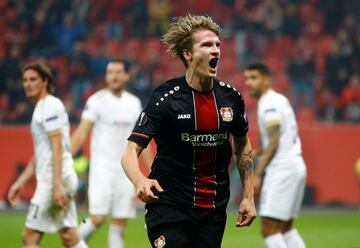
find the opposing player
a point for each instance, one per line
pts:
(280, 159)
(52, 208)
(194, 119)
(111, 113)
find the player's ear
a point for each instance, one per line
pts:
(187, 54)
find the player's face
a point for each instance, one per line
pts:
(34, 86)
(255, 81)
(116, 76)
(205, 54)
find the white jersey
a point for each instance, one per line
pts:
(275, 108)
(113, 119)
(50, 117)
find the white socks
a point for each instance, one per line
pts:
(293, 239)
(290, 239)
(86, 229)
(276, 241)
(31, 246)
(80, 244)
(116, 236)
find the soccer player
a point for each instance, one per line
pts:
(111, 114)
(197, 122)
(52, 207)
(280, 159)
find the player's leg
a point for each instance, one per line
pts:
(172, 235)
(71, 239)
(292, 236)
(116, 233)
(31, 238)
(99, 194)
(271, 231)
(209, 231)
(122, 208)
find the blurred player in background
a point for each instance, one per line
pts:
(52, 208)
(194, 119)
(111, 113)
(280, 159)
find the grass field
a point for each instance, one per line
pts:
(321, 228)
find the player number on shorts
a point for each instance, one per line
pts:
(34, 209)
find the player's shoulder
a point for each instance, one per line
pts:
(130, 96)
(51, 101)
(99, 95)
(227, 88)
(170, 85)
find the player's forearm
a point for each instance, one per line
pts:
(130, 163)
(267, 155)
(26, 174)
(148, 157)
(244, 163)
(56, 146)
(77, 141)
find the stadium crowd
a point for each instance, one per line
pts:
(312, 47)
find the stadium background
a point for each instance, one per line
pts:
(312, 47)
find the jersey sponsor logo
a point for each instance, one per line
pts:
(160, 242)
(142, 120)
(270, 110)
(205, 139)
(184, 116)
(226, 114)
(52, 118)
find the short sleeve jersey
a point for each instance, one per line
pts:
(113, 119)
(274, 108)
(50, 117)
(192, 131)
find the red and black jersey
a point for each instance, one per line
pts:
(192, 131)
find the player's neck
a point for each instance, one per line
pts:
(39, 97)
(265, 91)
(198, 83)
(117, 92)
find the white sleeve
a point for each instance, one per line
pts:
(52, 116)
(271, 115)
(90, 110)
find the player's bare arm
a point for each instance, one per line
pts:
(267, 154)
(148, 157)
(79, 135)
(244, 162)
(143, 185)
(60, 198)
(15, 189)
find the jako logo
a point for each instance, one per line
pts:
(184, 116)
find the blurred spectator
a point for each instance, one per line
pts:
(351, 99)
(292, 22)
(158, 12)
(79, 64)
(301, 71)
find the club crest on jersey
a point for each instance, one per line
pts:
(160, 242)
(226, 114)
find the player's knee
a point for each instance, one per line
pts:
(69, 237)
(29, 239)
(97, 220)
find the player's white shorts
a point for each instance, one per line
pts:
(283, 189)
(43, 215)
(111, 194)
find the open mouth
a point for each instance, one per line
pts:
(213, 62)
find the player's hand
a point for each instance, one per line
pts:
(14, 195)
(247, 213)
(60, 198)
(144, 189)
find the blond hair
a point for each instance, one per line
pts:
(179, 35)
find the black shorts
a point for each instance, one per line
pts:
(172, 227)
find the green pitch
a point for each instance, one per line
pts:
(320, 229)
